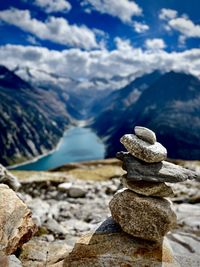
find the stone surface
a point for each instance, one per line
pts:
(148, 188)
(79, 215)
(145, 134)
(16, 225)
(77, 191)
(156, 172)
(149, 218)
(143, 150)
(7, 178)
(109, 246)
(38, 253)
(64, 187)
(14, 261)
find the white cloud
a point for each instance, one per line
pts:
(32, 40)
(54, 29)
(166, 14)
(123, 9)
(155, 44)
(53, 6)
(140, 27)
(181, 24)
(125, 60)
(185, 26)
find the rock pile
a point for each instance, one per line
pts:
(141, 208)
(141, 212)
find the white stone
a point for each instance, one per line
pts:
(143, 150)
(145, 134)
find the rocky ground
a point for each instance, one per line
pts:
(73, 199)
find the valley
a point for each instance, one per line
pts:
(38, 107)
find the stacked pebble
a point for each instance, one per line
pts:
(141, 209)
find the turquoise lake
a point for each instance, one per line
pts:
(77, 144)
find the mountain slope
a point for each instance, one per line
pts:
(170, 106)
(118, 102)
(32, 120)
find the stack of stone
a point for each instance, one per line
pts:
(141, 208)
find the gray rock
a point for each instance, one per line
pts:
(148, 188)
(145, 134)
(149, 218)
(14, 261)
(77, 191)
(40, 210)
(64, 187)
(156, 172)
(54, 227)
(7, 178)
(143, 150)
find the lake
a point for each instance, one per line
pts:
(77, 144)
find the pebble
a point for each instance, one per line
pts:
(77, 191)
(145, 134)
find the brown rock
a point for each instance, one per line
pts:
(148, 188)
(4, 260)
(149, 218)
(16, 225)
(111, 247)
(39, 253)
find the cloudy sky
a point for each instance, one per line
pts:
(83, 39)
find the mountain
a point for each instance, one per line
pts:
(32, 119)
(169, 104)
(82, 97)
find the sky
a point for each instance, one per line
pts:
(83, 39)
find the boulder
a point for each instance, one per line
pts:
(148, 188)
(149, 218)
(145, 134)
(155, 172)
(143, 150)
(109, 246)
(16, 225)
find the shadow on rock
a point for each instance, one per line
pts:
(110, 246)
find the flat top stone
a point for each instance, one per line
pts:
(145, 188)
(164, 171)
(145, 134)
(143, 150)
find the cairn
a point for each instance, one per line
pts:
(142, 208)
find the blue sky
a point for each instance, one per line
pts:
(103, 38)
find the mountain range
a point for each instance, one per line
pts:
(36, 107)
(169, 104)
